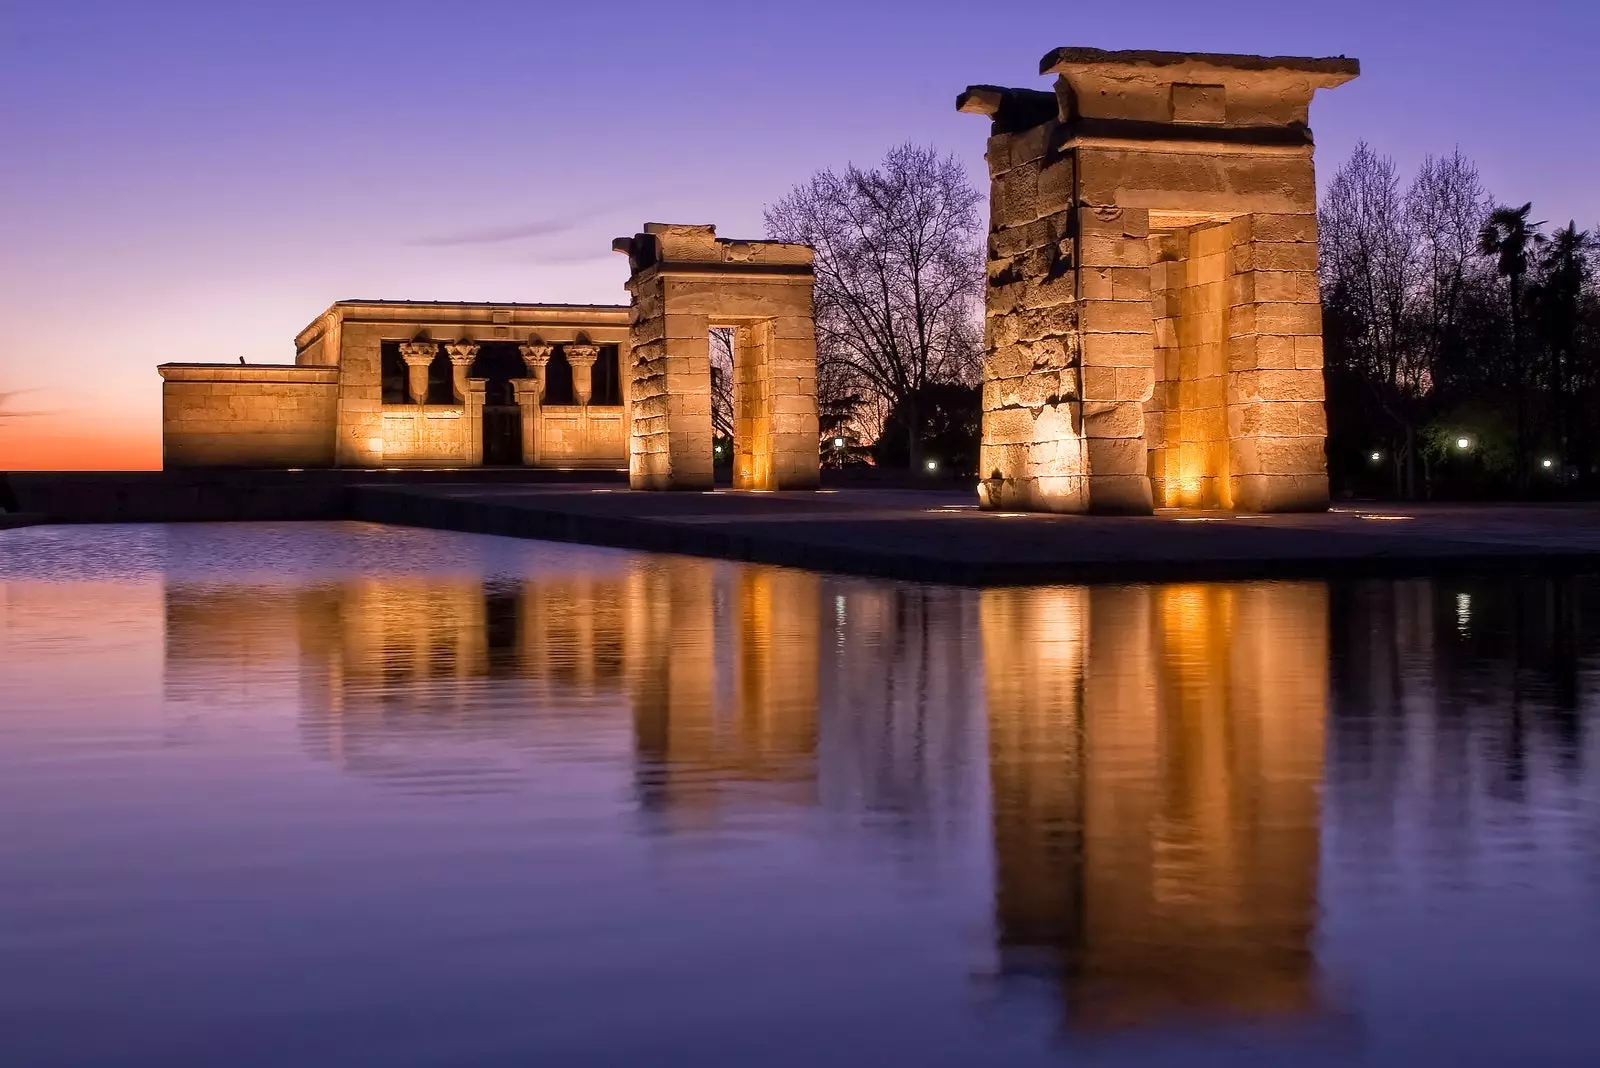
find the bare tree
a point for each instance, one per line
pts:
(1369, 272)
(722, 342)
(899, 275)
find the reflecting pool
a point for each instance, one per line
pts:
(344, 794)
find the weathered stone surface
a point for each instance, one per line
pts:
(1175, 275)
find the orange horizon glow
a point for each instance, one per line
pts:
(67, 443)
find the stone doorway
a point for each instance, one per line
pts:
(498, 365)
(685, 283)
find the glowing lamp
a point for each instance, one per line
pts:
(933, 465)
(1377, 456)
(1463, 443)
(838, 443)
(1548, 463)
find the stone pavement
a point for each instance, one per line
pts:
(942, 537)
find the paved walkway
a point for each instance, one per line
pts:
(943, 537)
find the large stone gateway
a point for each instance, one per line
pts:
(684, 281)
(1153, 331)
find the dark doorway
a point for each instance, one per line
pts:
(498, 363)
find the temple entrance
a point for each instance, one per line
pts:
(498, 363)
(502, 435)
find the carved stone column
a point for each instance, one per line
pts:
(473, 394)
(536, 355)
(527, 393)
(418, 355)
(581, 359)
(461, 354)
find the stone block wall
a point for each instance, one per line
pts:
(575, 436)
(430, 435)
(1277, 424)
(1187, 418)
(260, 416)
(1032, 454)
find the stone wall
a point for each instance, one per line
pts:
(260, 416)
(583, 436)
(428, 435)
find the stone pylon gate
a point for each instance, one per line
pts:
(1154, 331)
(685, 280)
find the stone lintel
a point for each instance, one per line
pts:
(1183, 66)
(1083, 132)
(1191, 89)
(684, 247)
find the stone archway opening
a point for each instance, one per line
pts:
(686, 282)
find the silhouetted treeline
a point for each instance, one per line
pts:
(1462, 338)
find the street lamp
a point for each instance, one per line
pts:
(1547, 463)
(1463, 443)
(1376, 457)
(838, 443)
(933, 465)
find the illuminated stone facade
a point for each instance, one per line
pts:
(402, 384)
(685, 281)
(1153, 331)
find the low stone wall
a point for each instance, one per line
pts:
(428, 435)
(574, 436)
(248, 416)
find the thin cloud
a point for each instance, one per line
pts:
(498, 235)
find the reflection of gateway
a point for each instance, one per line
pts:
(1155, 758)
(717, 662)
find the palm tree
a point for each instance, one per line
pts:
(1509, 237)
(1557, 298)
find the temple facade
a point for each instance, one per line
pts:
(380, 383)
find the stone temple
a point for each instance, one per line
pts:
(1154, 331)
(379, 383)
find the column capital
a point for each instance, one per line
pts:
(581, 355)
(461, 353)
(418, 352)
(535, 354)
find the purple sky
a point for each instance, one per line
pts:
(197, 180)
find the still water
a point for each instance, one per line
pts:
(350, 795)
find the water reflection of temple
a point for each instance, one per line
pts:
(1156, 755)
